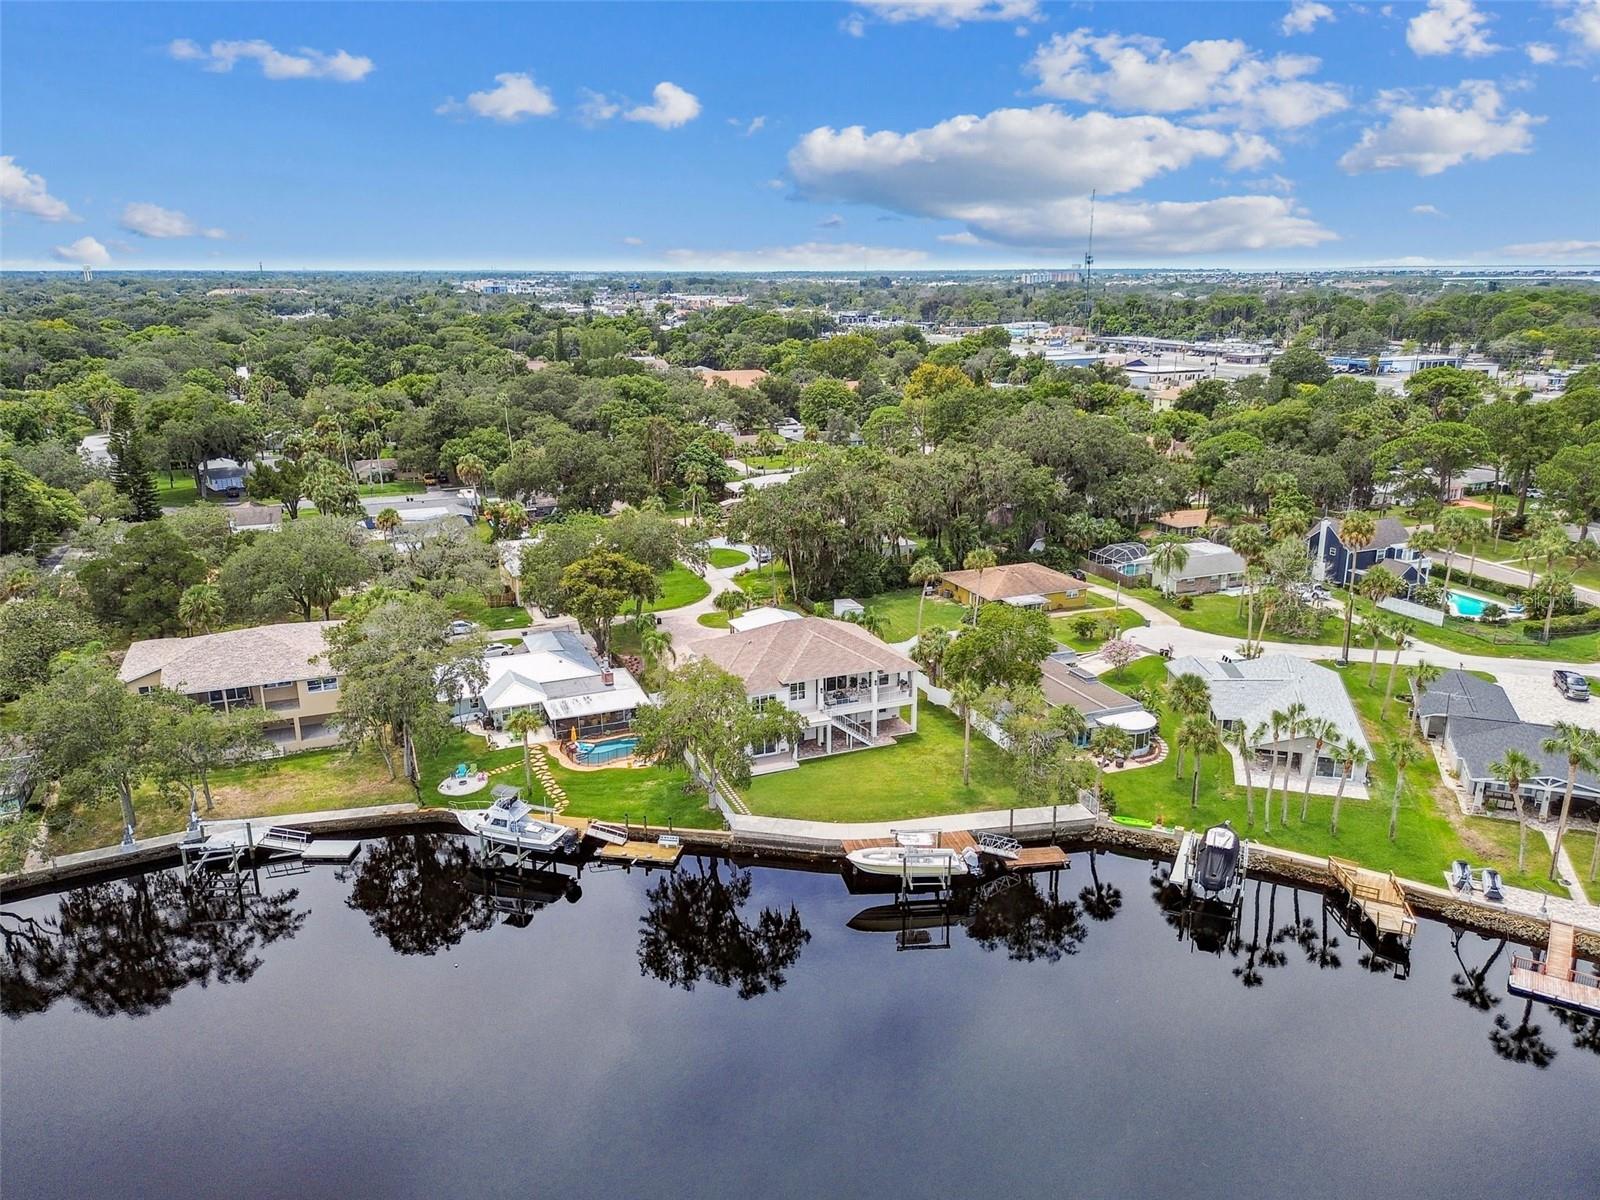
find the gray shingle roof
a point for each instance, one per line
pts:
(1250, 690)
(1479, 743)
(237, 658)
(1462, 694)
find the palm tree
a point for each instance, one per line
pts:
(471, 471)
(979, 560)
(1555, 581)
(1351, 756)
(1516, 768)
(1238, 739)
(1188, 696)
(1276, 721)
(1249, 542)
(200, 607)
(655, 647)
(1107, 741)
(1294, 717)
(1357, 532)
(964, 694)
(1454, 527)
(1171, 555)
(1320, 731)
(1582, 749)
(388, 522)
(923, 571)
(733, 601)
(1200, 735)
(1377, 586)
(1400, 629)
(1403, 751)
(869, 619)
(524, 723)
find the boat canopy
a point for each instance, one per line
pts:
(510, 808)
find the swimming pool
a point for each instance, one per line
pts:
(603, 752)
(1465, 604)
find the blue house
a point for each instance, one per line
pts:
(1333, 562)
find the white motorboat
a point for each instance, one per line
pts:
(506, 822)
(930, 864)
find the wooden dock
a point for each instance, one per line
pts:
(1038, 858)
(1378, 895)
(1028, 858)
(649, 854)
(1556, 978)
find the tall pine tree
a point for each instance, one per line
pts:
(130, 468)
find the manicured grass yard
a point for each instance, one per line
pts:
(1221, 615)
(679, 586)
(919, 776)
(1429, 838)
(724, 557)
(899, 612)
(761, 583)
(713, 620)
(1063, 625)
(176, 490)
(470, 606)
(1508, 640)
(396, 487)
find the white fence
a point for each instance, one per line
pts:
(941, 697)
(1416, 611)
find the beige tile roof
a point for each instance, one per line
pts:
(1013, 579)
(237, 658)
(791, 651)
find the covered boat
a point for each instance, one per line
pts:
(1218, 864)
(507, 823)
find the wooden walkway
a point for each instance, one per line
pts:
(650, 854)
(1378, 895)
(1556, 979)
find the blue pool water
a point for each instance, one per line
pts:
(600, 752)
(1464, 604)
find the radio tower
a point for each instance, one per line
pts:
(1088, 270)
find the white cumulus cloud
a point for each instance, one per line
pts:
(633, 241)
(1588, 251)
(24, 191)
(597, 106)
(1426, 210)
(514, 97)
(1450, 27)
(153, 221)
(1223, 80)
(671, 108)
(1303, 16)
(807, 256)
(1023, 177)
(1461, 124)
(86, 251)
(1541, 54)
(951, 13)
(1583, 22)
(305, 63)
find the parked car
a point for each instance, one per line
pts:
(1076, 574)
(459, 628)
(1571, 684)
(761, 554)
(499, 649)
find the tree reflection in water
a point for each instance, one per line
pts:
(127, 947)
(1101, 901)
(1471, 987)
(1523, 1043)
(1585, 1030)
(694, 931)
(1027, 923)
(417, 892)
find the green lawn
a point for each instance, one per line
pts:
(397, 487)
(761, 583)
(1428, 838)
(768, 462)
(1508, 640)
(899, 612)
(713, 620)
(679, 586)
(176, 490)
(919, 776)
(1063, 625)
(1221, 615)
(470, 606)
(723, 557)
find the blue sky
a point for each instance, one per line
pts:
(886, 133)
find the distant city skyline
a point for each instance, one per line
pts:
(886, 135)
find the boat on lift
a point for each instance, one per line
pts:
(915, 864)
(507, 823)
(1218, 865)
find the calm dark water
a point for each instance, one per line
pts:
(379, 1031)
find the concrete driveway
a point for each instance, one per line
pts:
(1536, 699)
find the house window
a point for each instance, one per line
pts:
(759, 703)
(762, 749)
(283, 683)
(328, 683)
(227, 697)
(146, 690)
(797, 691)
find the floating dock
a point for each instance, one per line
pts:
(1378, 896)
(646, 854)
(278, 839)
(1556, 978)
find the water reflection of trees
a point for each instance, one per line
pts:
(1523, 1042)
(127, 947)
(694, 930)
(417, 892)
(1029, 924)
(1100, 901)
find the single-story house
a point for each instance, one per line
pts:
(222, 477)
(555, 673)
(758, 617)
(1208, 568)
(1101, 704)
(848, 686)
(255, 518)
(739, 377)
(1334, 562)
(1183, 520)
(1475, 723)
(1022, 585)
(1249, 691)
(278, 668)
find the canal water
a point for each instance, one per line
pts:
(384, 1030)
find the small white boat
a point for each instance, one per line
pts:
(916, 863)
(507, 823)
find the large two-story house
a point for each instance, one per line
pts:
(1336, 563)
(277, 668)
(853, 690)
